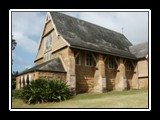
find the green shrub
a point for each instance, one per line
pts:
(13, 80)
(13, 83)
(41, 90)
(16, 93)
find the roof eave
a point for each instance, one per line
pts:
(141, 58)
(40, 71)
(109, 53)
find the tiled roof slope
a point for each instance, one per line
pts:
(85, 35)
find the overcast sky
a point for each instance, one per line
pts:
(27, 28)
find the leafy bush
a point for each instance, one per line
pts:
(16, 93)
(41, 90)
(13, 80)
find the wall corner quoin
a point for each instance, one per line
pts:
(71, 76)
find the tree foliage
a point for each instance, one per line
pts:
(13, 82)
(14, 43)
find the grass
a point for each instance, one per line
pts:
(125, 99)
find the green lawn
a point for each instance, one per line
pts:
(125, 99)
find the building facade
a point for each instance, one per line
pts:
(88, 57)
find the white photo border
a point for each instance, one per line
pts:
(79, 10)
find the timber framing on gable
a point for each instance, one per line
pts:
(57, 34)
(57, 37)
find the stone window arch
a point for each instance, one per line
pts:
(48, 42)
(21, 78)
(129, 66)
(89, 59)
(111, 64)
(23, 81)
(27, 81)
(20, 83)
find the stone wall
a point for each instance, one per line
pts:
(67, 57)
(143, 73)
(63, 53)
(142, 68)
(110, 78)
(84, 76)
(40, 75)
(112, 74)
(129, 75)
(52, 76)
(84, 79)
(143, 83)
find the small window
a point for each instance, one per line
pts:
(20, 83)
(89, 59)
(47, 57)
(48, 42)
(78, 60)
(129, 66)
(23, 81)
(111, 63)
(27, 81)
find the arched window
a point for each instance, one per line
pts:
(20, 82)
(129, 66)
(23, 81)
(48, 42)
(78, 60)
(27, 81)
(47, 56)
(111, 63)
(89, 59)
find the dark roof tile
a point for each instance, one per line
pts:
(54, 65)
(82, 34)
(139, 50)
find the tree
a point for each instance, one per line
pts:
(14, 43)
(14, 74)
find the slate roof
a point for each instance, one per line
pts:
(54, 65)
(84, 35)
(139, 50)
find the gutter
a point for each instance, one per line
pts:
(103, 52)
(40, 71)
